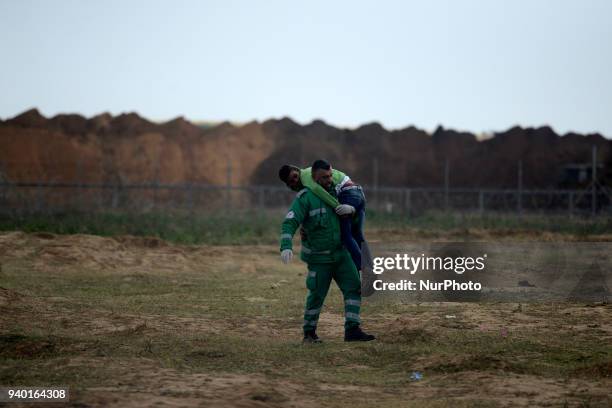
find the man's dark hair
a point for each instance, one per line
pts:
(283, 172)
(320, 164)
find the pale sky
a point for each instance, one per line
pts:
(468, 65)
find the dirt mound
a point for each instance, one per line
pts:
(166, 386)
(145, 242)
(28, 119)
(7, 296)
(411, 157)
(129, 148)
(133, 254)
(15, 345)
(603, 370)
(130, 124)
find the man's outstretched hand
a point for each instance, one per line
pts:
(286, 256)
(345, 209)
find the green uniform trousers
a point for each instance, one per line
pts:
(319, 278)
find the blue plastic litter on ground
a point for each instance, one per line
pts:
(416, 376)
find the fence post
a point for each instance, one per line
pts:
(229, 184)
(155, 188)
(190, 197)
(261, 198)
(39, 196)
(407, 202)
(77, 198)
(156, 173)
(115, 199)
(594, 182)
(520, 187)
(101, 196)
(4, 189)
(446, 183)
(570, 203)
(375, 174)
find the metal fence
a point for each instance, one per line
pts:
(53, 197)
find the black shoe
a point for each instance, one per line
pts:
(356, 334)
(310, 337)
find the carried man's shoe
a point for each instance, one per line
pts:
(356, 334)
(310, 337)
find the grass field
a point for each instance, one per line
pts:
(252, 227)
(128, 320)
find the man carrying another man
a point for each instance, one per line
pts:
(323, 252)
(349, 204)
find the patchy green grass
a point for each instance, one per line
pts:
(495, 221)
(235, 311)
(183, 228)
(262, 227)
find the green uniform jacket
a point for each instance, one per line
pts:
(322, 226)
(338, 178)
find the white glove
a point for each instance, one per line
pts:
(344, 209)
(286, 255)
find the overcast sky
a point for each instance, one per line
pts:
(468, 65)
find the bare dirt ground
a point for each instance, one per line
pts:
(136, 322)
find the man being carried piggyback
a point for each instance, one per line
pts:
(349, 204)
(322, 247)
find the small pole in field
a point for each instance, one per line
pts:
(446, 183)
(520, 187)
(594, 182)
(375, 174)
(229, 184)
(407, 201)
(190, 197)
(262, 197)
